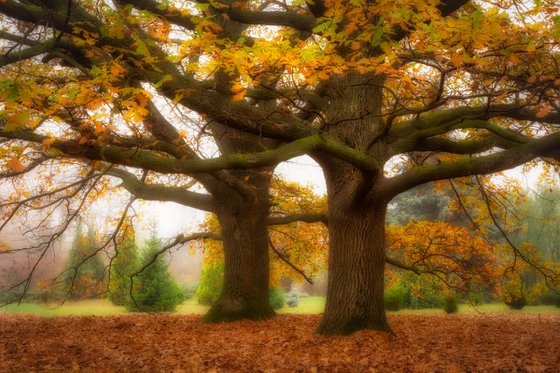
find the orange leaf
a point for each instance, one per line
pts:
(48, 142)
(457, 60)
(15, 165)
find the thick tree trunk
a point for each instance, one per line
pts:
(246, 263)
(356, 258)
(356, 209)
(356, 272)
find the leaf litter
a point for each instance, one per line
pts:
(287, 343)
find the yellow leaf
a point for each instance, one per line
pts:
(239, 95)
(237, 87)
(543, 112)
(514, 58)
(17, 120)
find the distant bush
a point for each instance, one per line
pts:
(395, 297)
(155, 290)
(211, 281)
(516, 301)
(39, 296)
(292, 299)
(478, 295)
(549, 298)
(426, 300)
(84, 275)
(450, 303)
(276, 298)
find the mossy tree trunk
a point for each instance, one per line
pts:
(245, 292)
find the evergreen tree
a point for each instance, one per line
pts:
(420, 203)
(124, 264)
(86, 270)
(154, 290)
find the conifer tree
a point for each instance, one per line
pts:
(124, 264)
(85, 270)
(154, 290)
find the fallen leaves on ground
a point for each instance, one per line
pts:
(287, 343)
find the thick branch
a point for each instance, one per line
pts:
(487, 164)
(306, 218)
(173, 15)
(159, 192)
(297, 21)
(395, 263)
(27, 53)
(154, 162)
(438, 122)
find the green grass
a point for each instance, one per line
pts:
(191, 306)
(307, 305)
(71, 308)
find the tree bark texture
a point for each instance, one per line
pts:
(246, 265)
(356, 262)
(356, 211)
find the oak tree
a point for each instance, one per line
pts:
(448, 88)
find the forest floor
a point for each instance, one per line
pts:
(497, 342)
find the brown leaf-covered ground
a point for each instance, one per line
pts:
(496, 343)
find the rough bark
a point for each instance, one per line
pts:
(246, 263)
(356, 211)
(243, 225)
(356, 260)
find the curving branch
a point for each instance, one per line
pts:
(486, 164)
(160, 192)
(286, 260)
(152, 161)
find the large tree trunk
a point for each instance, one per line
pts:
(245, 292)
(356, 257)
(356, 209)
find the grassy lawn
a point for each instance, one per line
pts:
(71, 308)
(191, 306)
(307, 305)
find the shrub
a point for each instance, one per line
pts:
(292, 299)
(395, 297)
(516, 301)
(550, 298)
(422, 301)
(155, 291)
(276, 298)
(211, 281)
(450, 304)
